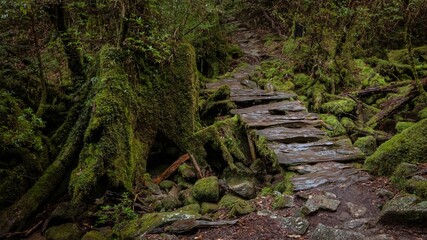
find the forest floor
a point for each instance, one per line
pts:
(349, 198)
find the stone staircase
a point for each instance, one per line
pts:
(295, 135)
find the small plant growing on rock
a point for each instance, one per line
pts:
(116, 214)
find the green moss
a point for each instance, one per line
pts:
(93, 235)
(68, 231)
(187, 171)
(338, 107)
(149, 221)
(262, 148)
(208, 207)
(423, 113)
(400, 126)
(366, 144)
(195, 207)
(281, 201)
(417, 187)
(366, 75)
(206, 189)
(170, 203)
(166, 184)
(316, 93)
(224, 137)
(266, 191)
(217, 104)
(336, 129)
(348, 124)
(404, 178)
(409, 146)
(236, 205)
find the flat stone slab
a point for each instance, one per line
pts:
(295, 225)
(323, 232)
(338, 150)
(254, 95)
(265, 119)
(316, 202)
(292, 135)
(280, 108)
(327, 173)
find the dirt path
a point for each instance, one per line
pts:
(332, 199)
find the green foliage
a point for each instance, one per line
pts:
(116, 214)
(18, 127)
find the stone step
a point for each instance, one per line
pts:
(316, 152)
(292, 120)
(275, 108)
(325, 173)
(292, 135)
(246, 97)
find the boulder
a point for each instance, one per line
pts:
(236, 205)
(408, 146)
(243, 186)
(404, 209)
(366, 144)
(68, 231)
(208, 207)
(206, 189)
(149, 221)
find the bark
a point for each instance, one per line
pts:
(58, 16)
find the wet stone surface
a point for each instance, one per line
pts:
(317, 202)
(295, 225)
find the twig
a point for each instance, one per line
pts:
(196, 166)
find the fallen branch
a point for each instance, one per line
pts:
(172, 168)
(196, 166)
(394, 104)
(392, 87)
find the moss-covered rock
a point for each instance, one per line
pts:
(367, 75)
(404, 209)
(68, 231)
(187, 171)
(405, 178)
(93, 235)
(170, 203)
(400, 126)
(338, 107)
(206, 189)
(336, 129)
(236, 205)
(195, 207)
(409, 146)
(366, 144)
(186, 197)
(208, 208)
(166, 184)
(423, 113)
(149, 221)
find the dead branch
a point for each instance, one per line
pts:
(196, 166)
(392, 105)
(172, 168)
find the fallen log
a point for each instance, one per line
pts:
(392, 105)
